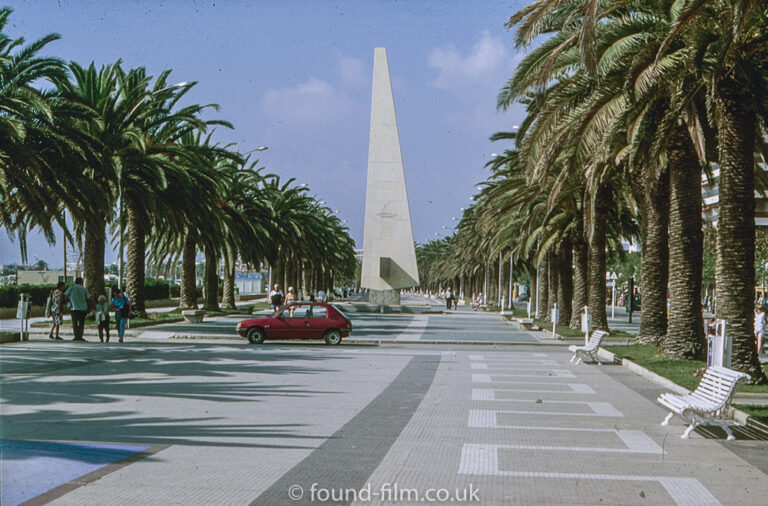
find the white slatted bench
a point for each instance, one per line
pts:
(589, 349)
(708, 403)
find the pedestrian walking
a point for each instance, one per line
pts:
(449, 298)
(57, 310)
(276, 298)
(78, 298)
(102, 318)
(759, 327)
(321, 295)
(122, 306)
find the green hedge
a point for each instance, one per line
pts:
(9, 294)
(153, 289)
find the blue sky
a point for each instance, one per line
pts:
(296, 76)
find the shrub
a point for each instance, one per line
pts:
(156, 289)
(9, 294)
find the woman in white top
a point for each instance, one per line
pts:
(759, 327)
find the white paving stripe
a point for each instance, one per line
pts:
(636, 441)
(525, 361)
(486, 394)
(487, 418)
(415, 329)
(484, 460)
(551, 373)
(476, 365)
(509, 356)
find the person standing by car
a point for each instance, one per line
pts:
(57, 309)
(122, 306)
(290, 297)
(78, 298)
(276, 298)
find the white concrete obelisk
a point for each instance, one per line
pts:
(389, 256)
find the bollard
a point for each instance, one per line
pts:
(555, 317)
(586, 324)
(22, 313)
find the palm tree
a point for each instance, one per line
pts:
(37, 149)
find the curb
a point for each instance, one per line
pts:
(736, 414)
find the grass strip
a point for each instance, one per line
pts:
(686, 373)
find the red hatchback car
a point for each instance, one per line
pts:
(299, 320)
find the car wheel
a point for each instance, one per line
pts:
(333, 336)
(256, 336)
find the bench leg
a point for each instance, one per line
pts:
(689, 429)
(731, 437)
(573, 358)
(667, 419)
(578, 360)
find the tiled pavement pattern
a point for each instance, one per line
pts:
(348, 457)
(532, 435)
(516, 425)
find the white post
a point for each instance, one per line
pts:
(585, 324)
(22, 313)
(511, 286)
(554, 320)
(501, 308)
(529, 307)
(501, 270)
(613, 297)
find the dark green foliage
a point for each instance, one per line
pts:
(9, 294)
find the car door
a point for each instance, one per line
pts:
(319, 321)
(278, 326)
(297, 321)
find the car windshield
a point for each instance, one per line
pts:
(334, 306)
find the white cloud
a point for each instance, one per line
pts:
(488, 63)
(315, 102)
(353, 72)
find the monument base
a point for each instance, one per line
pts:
(384, 297)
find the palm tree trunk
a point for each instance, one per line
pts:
(685, 332)
(188, 292)
(211, 300)
(277, 274)
(597, 260)
(228, 298)
(135, 263)
(654, 199)
(543, 288)
(565, 288)
(93, 256)
(580, 274)
(736, 223)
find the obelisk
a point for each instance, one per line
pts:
(389, 256)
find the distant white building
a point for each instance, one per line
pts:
(45, 277)
(710, 194)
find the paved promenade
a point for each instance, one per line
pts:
(163, 420)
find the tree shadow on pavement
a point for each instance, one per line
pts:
(159, 379)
